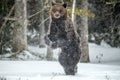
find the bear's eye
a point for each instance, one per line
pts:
(61, 10)
(54, 10)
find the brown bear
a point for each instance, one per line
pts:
(62, 34)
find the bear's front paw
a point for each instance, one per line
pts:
(54, 45)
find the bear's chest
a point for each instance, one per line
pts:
(60, 29)
(61, 33)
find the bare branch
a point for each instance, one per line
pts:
(44, 21)
(36, 13)
(4, 23)
(11, 19)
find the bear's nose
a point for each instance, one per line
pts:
(57, 15)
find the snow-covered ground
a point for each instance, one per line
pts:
(97, 53)
(48, 70)
(105, 65)
(103, 53)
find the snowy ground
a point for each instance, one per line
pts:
(103, 53)
(105, 65)
(46, 70)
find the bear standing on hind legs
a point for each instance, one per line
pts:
(62, 34)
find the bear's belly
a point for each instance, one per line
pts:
(62, 36)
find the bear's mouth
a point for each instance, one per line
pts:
(57, 16)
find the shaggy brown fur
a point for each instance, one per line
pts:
(62, 34)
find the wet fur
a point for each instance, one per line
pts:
(62, 34)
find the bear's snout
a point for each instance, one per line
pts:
(57, 15)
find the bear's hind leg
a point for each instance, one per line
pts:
(70, 70)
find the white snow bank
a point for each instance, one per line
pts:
(97, 53)
(103, 54)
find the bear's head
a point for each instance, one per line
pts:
(58, 10)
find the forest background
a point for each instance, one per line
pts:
(24, 23)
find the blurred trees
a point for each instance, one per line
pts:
(105, 25)
(6, 26)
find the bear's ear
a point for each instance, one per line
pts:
(64, 5)
(53, 2)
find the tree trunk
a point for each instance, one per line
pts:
(49, 55)
(73, 10)
(73, 13)
(20, 28)
(84, 33)
(42, 28)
